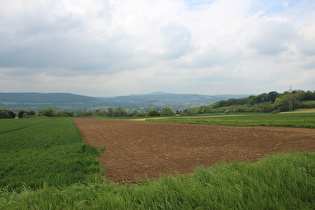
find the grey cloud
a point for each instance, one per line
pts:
(272, 38)
(210, 56)
(306, 47)
(177, 40)
(40, 36)
(70, 51)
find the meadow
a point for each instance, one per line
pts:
(44, 164)
(299, 119)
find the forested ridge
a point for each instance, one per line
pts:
(265, 102)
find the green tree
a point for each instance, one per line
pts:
(299, 94)
(309, 95)
(272, 96)
(21, 113)
(152, 113)
(48, 112)
(134, 113)
(110, 112)
(101, 113)
(119, 112)
(167, 112)
(7, 114)
(283, 102)
(141, 114)
(4, 114)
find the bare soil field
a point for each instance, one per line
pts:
(138, 149)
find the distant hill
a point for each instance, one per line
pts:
(37, 101)
(159, 99)
(44, 98)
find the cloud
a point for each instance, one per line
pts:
(273, 37)
(177, 40)
(139, 46)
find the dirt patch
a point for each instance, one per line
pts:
(136, 149)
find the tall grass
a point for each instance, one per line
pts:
(284, 181)
(43, 150)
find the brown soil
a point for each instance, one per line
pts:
(136, 149)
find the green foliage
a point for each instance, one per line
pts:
(100, 113)
(119, 112)
(4, 114)
(84, 114)
(187, 112)
(275, 112)
(133, 113)
(265, 102)
(251, 100)
(310, 95)
(110, 112)
(141, 114)
(308, 104)
(7, 114)
(166, 111)
(284, 102)
(43, 150)
(26, 114)
(48, 112)
(152, 113)
(284, 181)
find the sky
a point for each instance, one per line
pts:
(119, 47)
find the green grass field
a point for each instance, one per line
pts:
(43, 150)
(45, 165)
(305, 110)
(298, 119)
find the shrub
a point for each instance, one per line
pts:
(7, 114)
(167, 112)
(153, 113)
(275, 111)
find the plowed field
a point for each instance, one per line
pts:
(136, 149)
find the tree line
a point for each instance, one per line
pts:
(110, 112)
(265, 102)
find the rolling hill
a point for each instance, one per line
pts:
(37, 101)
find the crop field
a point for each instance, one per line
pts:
(292, 119)
(308, 110)
(139, 149)
(45, 163)
(39, 151)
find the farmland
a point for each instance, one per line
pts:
(304, 118)
(45, 164)
(136, 149)
(39, 151)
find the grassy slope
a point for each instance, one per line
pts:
(43, 150)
